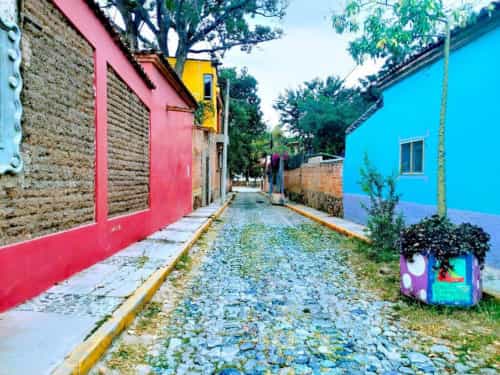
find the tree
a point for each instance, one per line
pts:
(394, 30)
(202, 26)
(319, 111)
(246, 128)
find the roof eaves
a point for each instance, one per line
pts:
(365, 116)
(486, 20)
(170, 74)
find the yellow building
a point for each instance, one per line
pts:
(200, 77)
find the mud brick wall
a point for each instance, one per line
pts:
(55, 191)
(317, 185)
(128, 149)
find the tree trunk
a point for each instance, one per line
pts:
(181, 57)
(441, 175)
(163, 27)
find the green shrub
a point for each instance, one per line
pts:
(384, 224)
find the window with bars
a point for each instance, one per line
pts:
(412, 157)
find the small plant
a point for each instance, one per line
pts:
(384, 223)
(203, 111)
(443, 239)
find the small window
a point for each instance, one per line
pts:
(412, 157)
(207, 86)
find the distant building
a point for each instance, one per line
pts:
(400, 133)
(200, 76)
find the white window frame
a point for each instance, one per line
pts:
(411, 141)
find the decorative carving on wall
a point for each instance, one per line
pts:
(10, 92)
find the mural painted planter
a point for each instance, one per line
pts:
(459, 287)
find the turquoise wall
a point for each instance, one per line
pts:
(411, 109)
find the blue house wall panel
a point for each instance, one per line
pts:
(410, 111)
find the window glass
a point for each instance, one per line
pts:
(207, 86)
(412, 157)
(406, 158)
(418, 157)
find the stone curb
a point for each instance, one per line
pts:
(333, 226)
(86, 355)
(318, 219)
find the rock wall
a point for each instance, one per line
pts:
(318, 185)
(128, 149)
(55, 191)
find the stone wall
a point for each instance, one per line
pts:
(128, 149)
(55, 191)
(318, 185)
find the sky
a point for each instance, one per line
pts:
(309, 49)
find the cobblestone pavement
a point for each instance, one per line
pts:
(274, 295)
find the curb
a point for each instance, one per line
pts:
(335, 227)
(86, 355)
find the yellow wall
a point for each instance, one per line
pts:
(194, 70)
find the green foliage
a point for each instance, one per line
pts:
(205, 110)
(384, 223)
(445, 240)
(394, 29)
(246, 128)
(319, 111)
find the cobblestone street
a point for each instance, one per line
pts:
(273, 294)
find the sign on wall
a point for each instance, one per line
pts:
(10, 91)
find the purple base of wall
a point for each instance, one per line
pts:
(414, 212)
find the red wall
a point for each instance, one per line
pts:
(31, 267)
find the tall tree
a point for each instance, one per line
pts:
(246, 127)
(202, 26)
(395, 29)
(319, 111)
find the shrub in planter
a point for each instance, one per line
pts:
(441, 262)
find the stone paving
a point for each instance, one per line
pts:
(274, 295)
(37, 335)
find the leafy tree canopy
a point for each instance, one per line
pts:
(319, 111)
(202, 26)
(393, 29)
(246, 127)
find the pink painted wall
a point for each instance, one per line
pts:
(31, 267)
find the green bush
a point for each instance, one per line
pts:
(384, 224)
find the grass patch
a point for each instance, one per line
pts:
(184, 263)
(471, 332)
(149, 316)
(127, 357)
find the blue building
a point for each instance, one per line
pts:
(400, 132)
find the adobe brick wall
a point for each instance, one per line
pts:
(128, 149)
(204, 145)
(317, 185)
(55, 191)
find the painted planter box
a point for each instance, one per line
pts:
(461, 286)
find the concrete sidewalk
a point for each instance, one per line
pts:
(36, 336)
(490, 275)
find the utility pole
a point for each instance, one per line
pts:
(226, 141)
